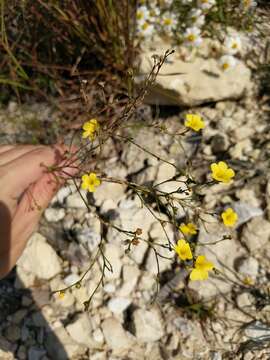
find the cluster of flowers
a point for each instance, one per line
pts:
(193, 37)
(166, 21)
(219, 172)
(193, 33)
(201, 266)
(153, 18)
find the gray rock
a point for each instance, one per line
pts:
(165, 172)
(135, 158)
(219, 143)
(22, 353)
(256, 234)
(81, 329)
(113, 253)
(75, 200)
(241, 150)
(69, 348)
(246, 212)
(100, 356)
(117, 339)
(88, 237)
(24, 279)
(54, 214)
(183, 325)
(39, 258)
(108, 205)
(147, 176)
(248, 196)
(26, 301)
(62, 194)
(18, 316)
(258, 330)
(248, 267)
(164, 263)
(13, 333)
(192, 338)
(222, 254)
(6, 355)
(153, 352)
(130, 277)
(132, 217)
(98, 336)
(41, 297)
(148, 325)
(35, 353)
(177, 282)
(38, 319)
(71, 279)
(5, 349)
(68, 222)
(109, 191)
(216, 355)
(109, 288)
(244, 300)
(118, 304)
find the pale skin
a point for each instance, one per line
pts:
(26, 189)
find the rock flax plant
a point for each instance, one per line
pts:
(92, 137)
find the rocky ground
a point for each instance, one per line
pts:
(217, 319)
(226, 317)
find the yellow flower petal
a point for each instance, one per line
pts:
(197, 274)
(91, 128)
(229, 217)
(87, 126)
(230, 173)
(221, 172)
(92, 177)
(91, 188)
(90, 182)
(222, 165)
(201, 268)
(85, 177)
(194, 122)
(188, 229)
(61, 294)
(203, 264)
(214, 167)
(183, 250)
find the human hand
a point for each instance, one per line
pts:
(26, 188)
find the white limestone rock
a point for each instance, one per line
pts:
(192, 83)
(148, 325)
(39, 258)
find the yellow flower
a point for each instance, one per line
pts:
(248, 281)
(194, 122)
(61, 294)
(90, 182)
(201, 269)
(188, 229)
(229, 217)
(221, 172)
(182, 249)
(90, 128)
